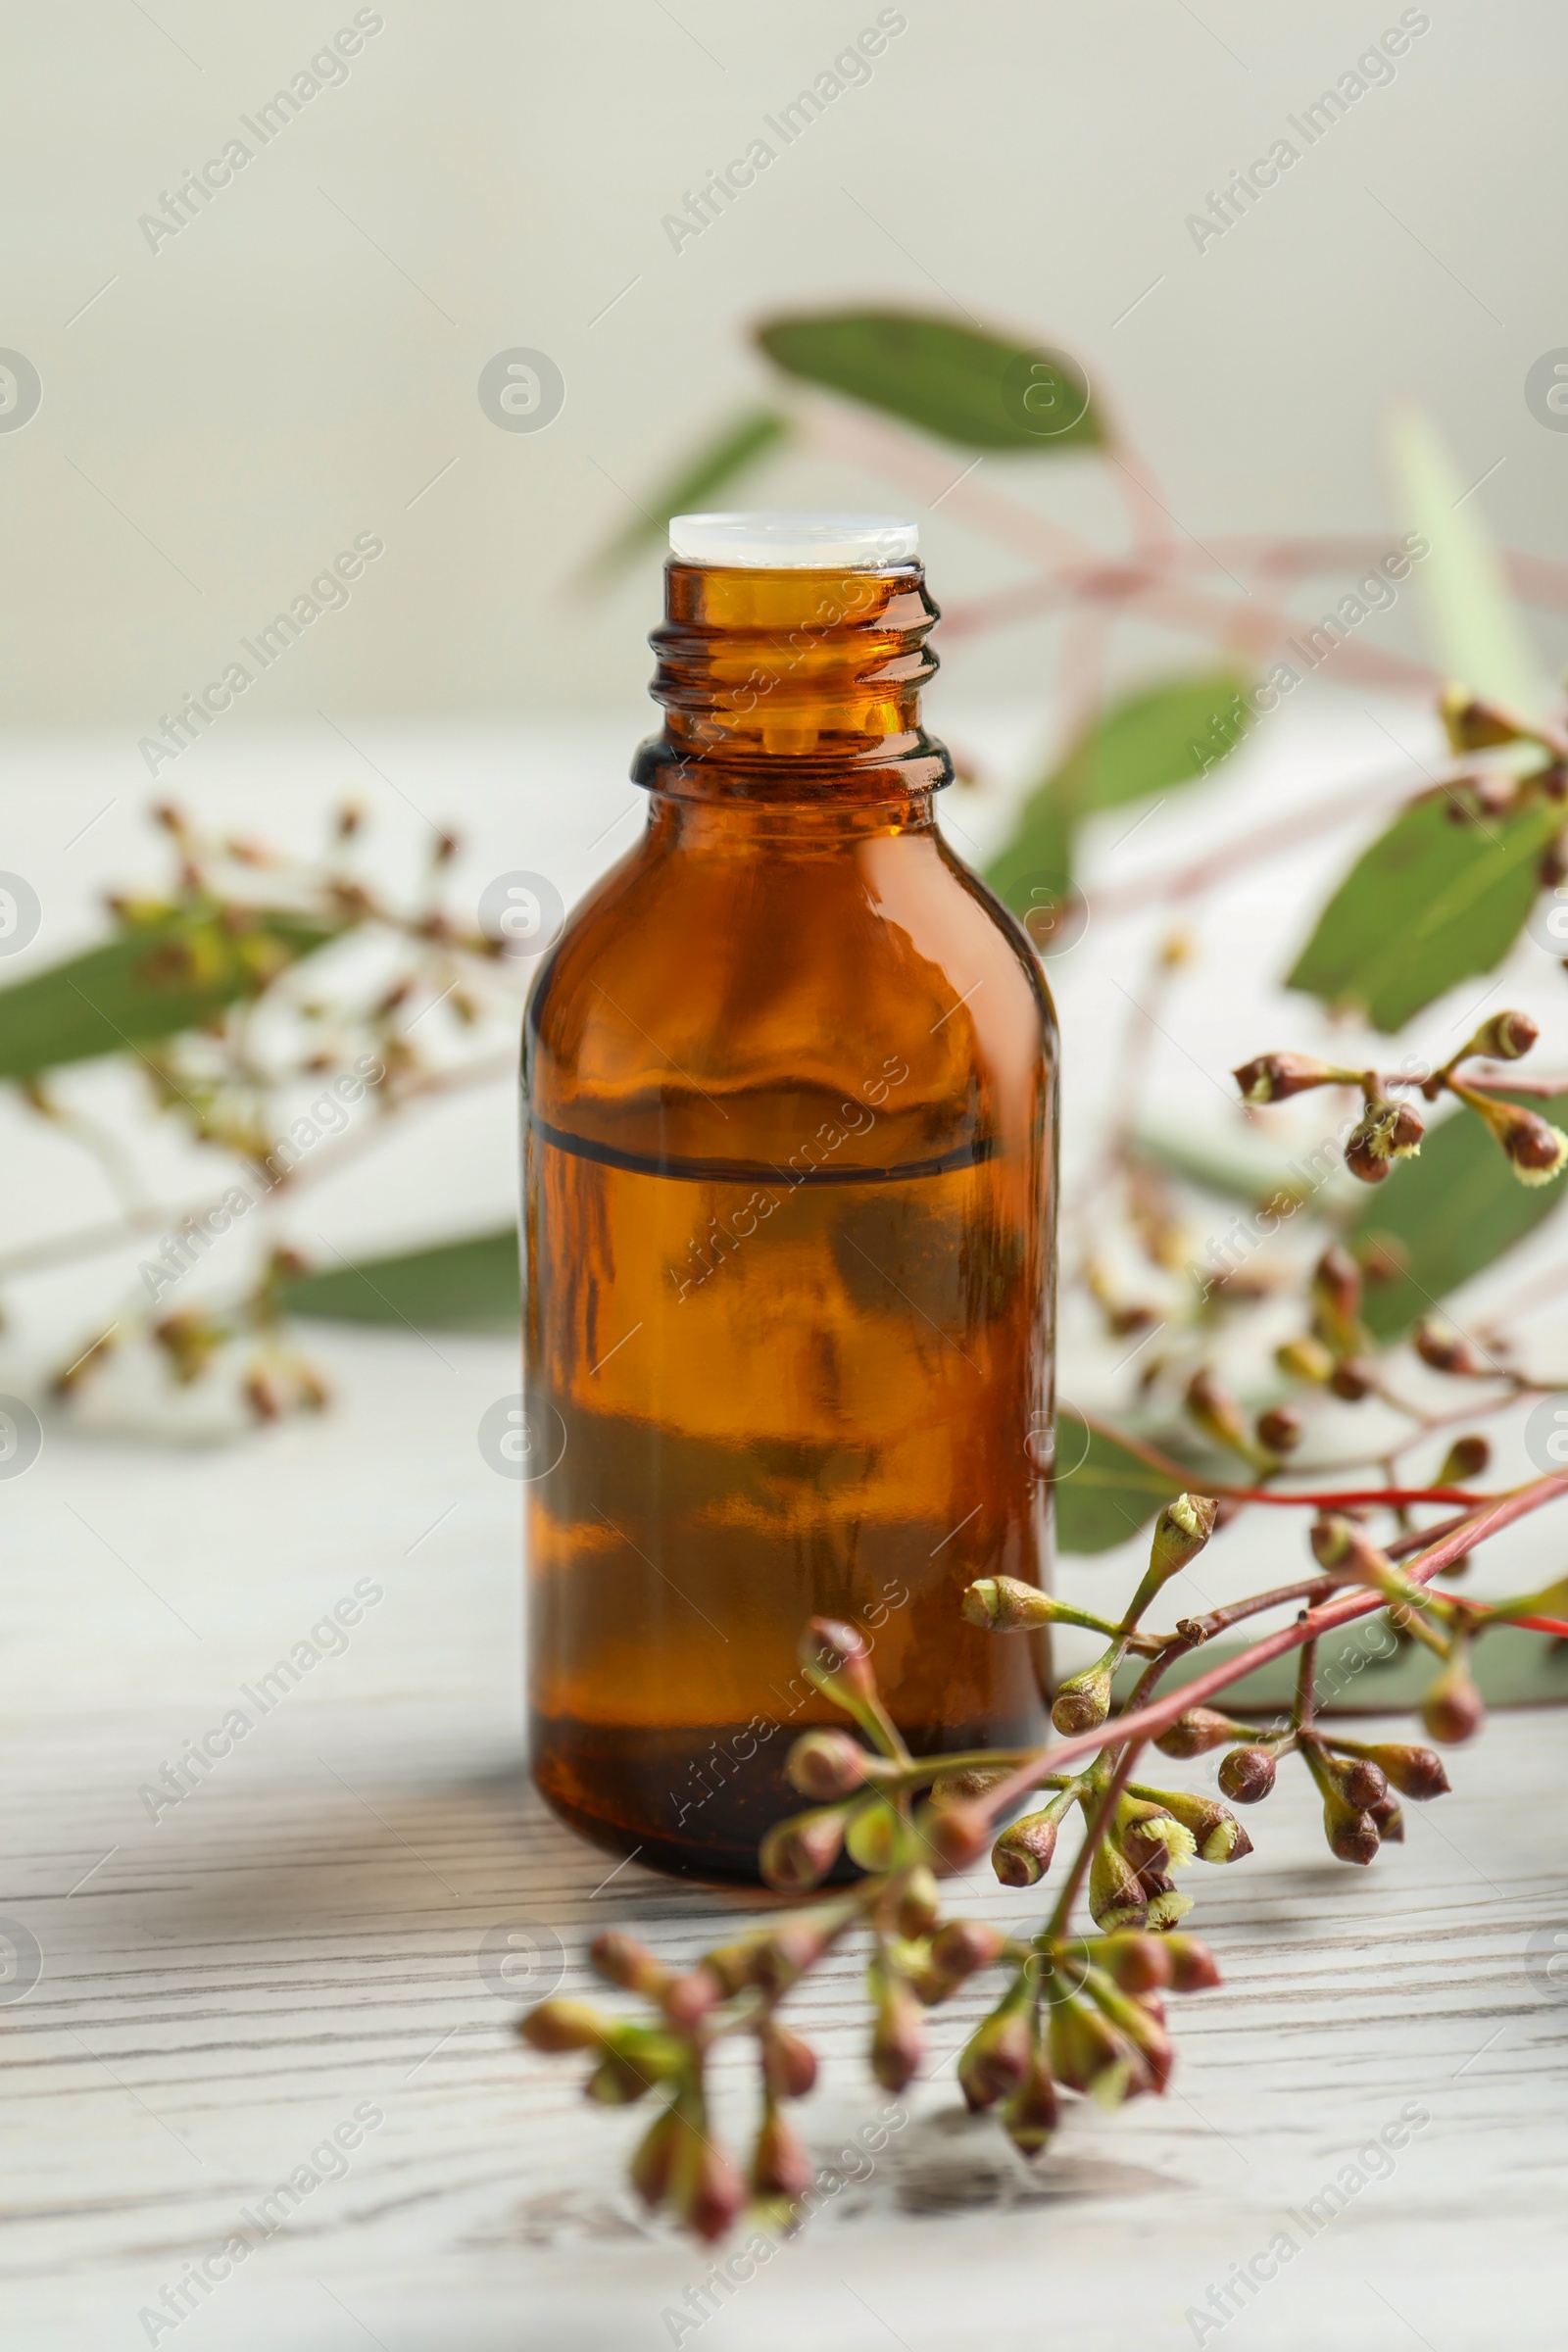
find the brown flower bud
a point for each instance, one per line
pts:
(709, 2191)
(836, 1659)
(1029, 2117)
(1083, 1700)
(1196, 1733)
(1415, 1772)
(1088, 2054)
(952, 1787)
(1363, 1783)
(1452, 1709)
(1216, 1414)
(1274, 1077)
(1389, 1132)
(687, 1999)
(1446, 1349)
(628, 1963)
(1473, 724)
(898, 2041)
(954, 1836)
(1280, 1429)
(1001, 1605)
(1388, 1817)
(1138, 1963)
(1247, 1775)
(825, 1764)
(789, 2064)
(961, 1949)
(562, 2025)
(1537, 1151)
(1352, 1833)
(919, 1904)
(1352, 1379)
(654, 2164)
(1021, 1855)
(1382, 1256)
(798, 1853)
(1193, 1965)
(781, 1959)
(1465, 1459)
(1504, 1038)
(780, 2166)
(997, 2058)
(1337, 1295)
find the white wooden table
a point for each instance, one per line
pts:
(303, 1933)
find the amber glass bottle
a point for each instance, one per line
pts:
(789, 1121)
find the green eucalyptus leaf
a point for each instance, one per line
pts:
(1152, 740)
(1106, 1492)
(1430, 903)
(160, 976)
(1451, 1214)
(979, 390)
(471, 1285)
(711, 469)
(1476, 632)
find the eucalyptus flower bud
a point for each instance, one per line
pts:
(706, 2188)
(954, 1836)
(1337, 1297)
(1141, 2027)
(874, 1835)
(687, 1999)
(1215, 1832)
(1216, 1414)
(827, 1763)
(1416, 1772)
(1001, 1605)
(1389, 1816)
(1274, 1077)
(1021, 1855)
(654, 2162)
(1280, 1429)
(1196, 1733)
(1139, 1963)
(1353, 1378)
(954, 1788)
(1446, 1349)
(1247, 1775)
(1452, 1709)
(562, 2025)
(999, 2056)
(1181, 1532)
(1475, 725)
(1365, 1785)
(1464, 1461)
(1305, 1358)
(628, 1963)
(1194, 1968)
(1029, 2117)
(919, 1904)
(1504, 1038)
(780, 2166)
(1117, 1895)
(898, 2040)
(961, 1950)
(1352, 1832)
(1537, 1151)
(797, 1853)
(1151, 1834)
(789, 2064)
(1083, 1700)
(1088, 2054)
(837, 1662)
(1390, 1131)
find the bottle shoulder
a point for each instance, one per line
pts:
(717, 993)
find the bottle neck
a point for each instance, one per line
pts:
(794, 686)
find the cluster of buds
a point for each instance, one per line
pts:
(1452, 1709)
(1355, 1780)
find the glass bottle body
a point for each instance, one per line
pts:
(789, 1178)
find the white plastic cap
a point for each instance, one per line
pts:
(786, 541)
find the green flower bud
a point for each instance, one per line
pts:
(1117, 1897)
(1021, 1855)
(1088, 2054)
(562, 2024)
(1001, 1605)
(1029, 2117)
(1193, 1965)
(1216, 1833)
(1141, 2027)
(1137, 1963)
(999, 2056)
(898, 2040)
(875, 1837)
(1083, 1700)
(654, 2162)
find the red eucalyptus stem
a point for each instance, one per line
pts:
(1147, 1723)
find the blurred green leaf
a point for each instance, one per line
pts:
(1478, 636)
(1230, 1170)
(1151, 741)
(708, 470)
(156, 979)
(471, 1285)
(981, 391)
(1361, 1671)
(1108, 1493)
(1451, 1212)
(1430, 903)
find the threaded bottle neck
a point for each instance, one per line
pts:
(793, 685)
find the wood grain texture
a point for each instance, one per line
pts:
(305, 1932)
